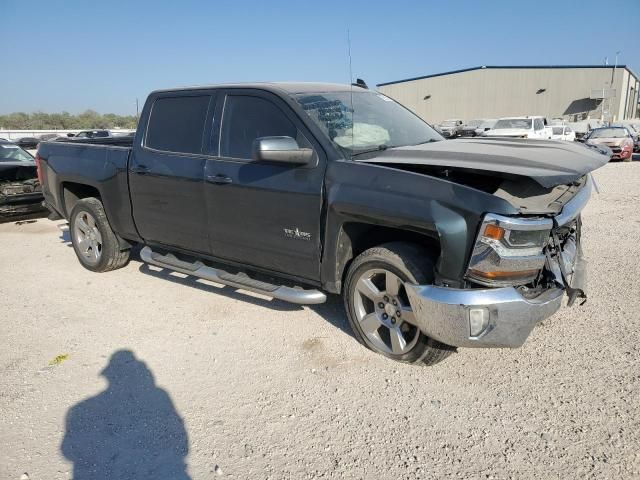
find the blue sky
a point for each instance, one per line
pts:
(72, 55)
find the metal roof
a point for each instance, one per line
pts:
(505, 67)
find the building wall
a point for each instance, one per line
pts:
(497, 92)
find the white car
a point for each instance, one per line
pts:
(520, 127)
(562, 132)
(485, 126)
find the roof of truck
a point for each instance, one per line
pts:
(288, 87)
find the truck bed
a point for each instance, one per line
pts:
(96, 165)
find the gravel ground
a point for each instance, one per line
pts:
(251, 388)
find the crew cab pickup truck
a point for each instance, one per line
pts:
(297, 190)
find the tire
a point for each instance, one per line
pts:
(94, 242)
(376, 272)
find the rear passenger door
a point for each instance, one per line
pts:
(263, 214)
(166, 172)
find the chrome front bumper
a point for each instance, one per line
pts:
(444, 313)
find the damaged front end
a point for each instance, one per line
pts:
(20, 192)
(519, 271)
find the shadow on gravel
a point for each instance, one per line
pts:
(65, 237)
(332, 310)
(130, 430)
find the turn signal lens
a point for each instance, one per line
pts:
(38, 168)
(494, 232)
(498, 275)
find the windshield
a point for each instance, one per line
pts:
(609, 133)
(377, 122)
(13, 153)
(449, 123)
(488, 124)
(513, 123)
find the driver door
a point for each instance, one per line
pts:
(262, 214)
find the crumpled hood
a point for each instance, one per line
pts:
(548, 162)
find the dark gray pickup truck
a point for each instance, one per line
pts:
(293, 190)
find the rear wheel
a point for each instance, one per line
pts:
(94, 242)
(378, 306)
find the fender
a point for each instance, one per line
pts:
(415, 202)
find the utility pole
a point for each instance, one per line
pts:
(137, 115)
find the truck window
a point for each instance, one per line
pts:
(176, 124)
(246, 118)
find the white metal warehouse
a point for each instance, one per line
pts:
(573, 93)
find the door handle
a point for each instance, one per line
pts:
(219, 179)
(141, 169)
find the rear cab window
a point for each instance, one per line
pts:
(176, 124)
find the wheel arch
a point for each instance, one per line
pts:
(73, 192)
(355, 237)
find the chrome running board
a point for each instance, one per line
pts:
(238, 280)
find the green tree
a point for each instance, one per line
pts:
(65, 121)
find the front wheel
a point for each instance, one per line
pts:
(378, 307)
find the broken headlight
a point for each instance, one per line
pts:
(508, 251)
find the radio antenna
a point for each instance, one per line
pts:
(350, 86)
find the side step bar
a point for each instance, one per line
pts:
(239, 280)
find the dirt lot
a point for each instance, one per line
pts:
(251, 388)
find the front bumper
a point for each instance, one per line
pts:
(443, 313)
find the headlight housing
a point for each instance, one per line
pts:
(509, 251)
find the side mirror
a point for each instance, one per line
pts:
(71, 135)
(281, 150)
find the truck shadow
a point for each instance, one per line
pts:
(129, 430)
(332, 310)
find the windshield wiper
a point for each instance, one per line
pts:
(431, 140)
(379, 148)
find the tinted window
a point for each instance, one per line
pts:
(247, 118)
(537, 124)
(176, 124)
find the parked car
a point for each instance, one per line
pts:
(583, 127)
(633, 132)
(562, 132)
(20, 192)
(49, 136)
(520, 127)
(27, 142)
(451, 128)
(618, 139)
(470, 127)
(432, 244)
(90, 134)
(485, 126)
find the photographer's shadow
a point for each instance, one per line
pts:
(129, 431)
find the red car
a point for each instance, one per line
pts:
(617, 139)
